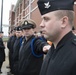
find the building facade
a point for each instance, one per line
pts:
(11, 17)
(28, 9)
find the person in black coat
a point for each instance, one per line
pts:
(57, 22)
(16, 49)
(10, 44)
(31, 51)
(2, 51)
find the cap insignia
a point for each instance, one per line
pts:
(25, 22)
(47, 5)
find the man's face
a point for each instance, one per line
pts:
(50, 25)
(18, 33)
(28, 32)
(1, 35)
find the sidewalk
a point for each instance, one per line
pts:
(4, 69)
(6, 62)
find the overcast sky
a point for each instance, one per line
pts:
(6, 8)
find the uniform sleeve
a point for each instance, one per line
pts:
(38, 46)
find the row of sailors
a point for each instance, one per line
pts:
(26, 51)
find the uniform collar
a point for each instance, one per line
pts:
(67, 37)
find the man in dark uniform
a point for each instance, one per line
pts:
(57, 21)
(16, 48)
(30, 54)
(2, 51)
(10, 44)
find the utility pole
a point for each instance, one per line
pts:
(1, 15)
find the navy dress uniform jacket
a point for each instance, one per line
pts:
(16, 48)
(10, 45)
(28, 63)
(15, 55)
(62, 60)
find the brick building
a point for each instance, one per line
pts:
(11, 17)
(28, 9)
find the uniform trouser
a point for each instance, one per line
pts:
(0, 65)
(15, 68)
(11, 62)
